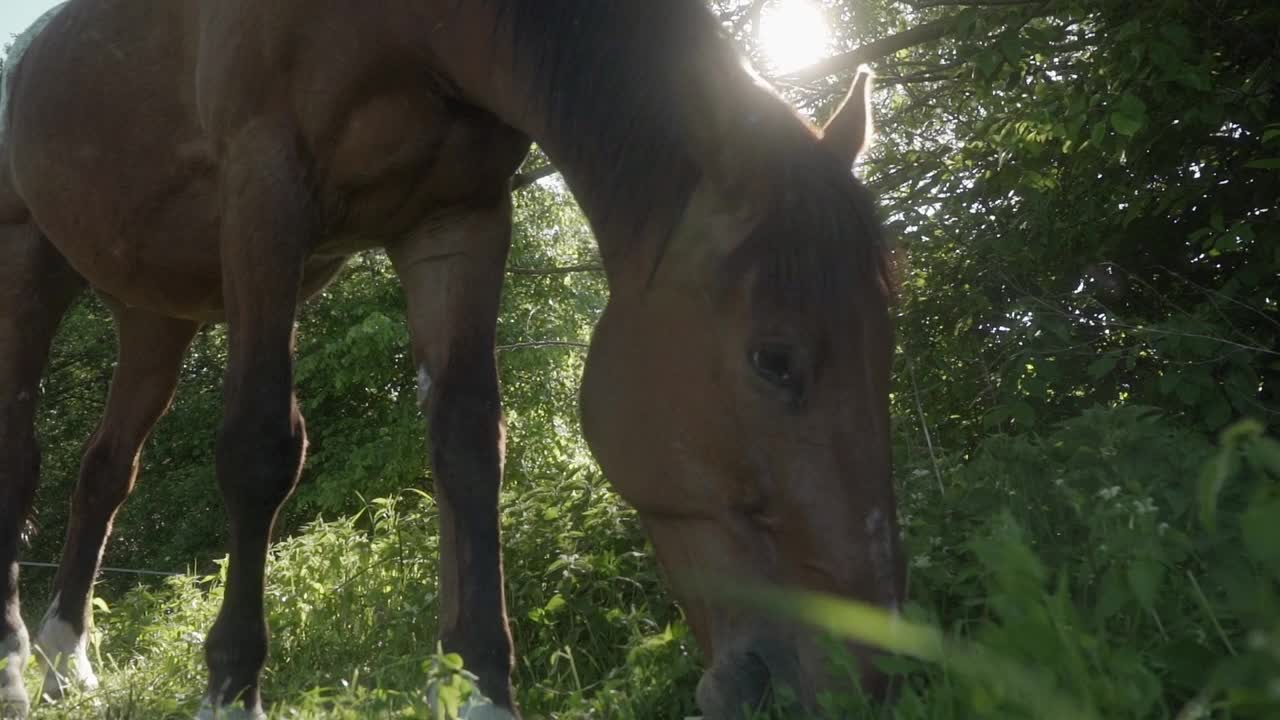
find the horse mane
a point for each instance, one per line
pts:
(610, 77)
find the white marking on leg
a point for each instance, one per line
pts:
(235, 712)
(65, 654)
(13, 658)
(477, 707)
(424, 386)
(875, 522)
(880, 547)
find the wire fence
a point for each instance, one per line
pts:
(108, 570)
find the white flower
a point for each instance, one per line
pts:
(1145, 506)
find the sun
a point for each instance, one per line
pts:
(794, 34)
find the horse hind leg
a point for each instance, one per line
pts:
(36, 288)
(151, 349)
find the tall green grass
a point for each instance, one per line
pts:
(1117, 566)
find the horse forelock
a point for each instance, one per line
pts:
(818, 248)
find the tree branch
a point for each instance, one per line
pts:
(543, 344)
(915, 78)
(970, 3)
(523, 180)
(564, 270)
(873, 50)
(756, 13)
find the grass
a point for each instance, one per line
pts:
(1091, 571)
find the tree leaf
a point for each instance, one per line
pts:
(1188, 392)
(1098, 132)
(988, 62)
(1265, 453)
(1261, 529)
(1125, 124)
(1112, 594)
(1145, 575)
(1212, 479)
(1128, 115)
(1101, 367)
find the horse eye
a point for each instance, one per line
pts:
(776, 364)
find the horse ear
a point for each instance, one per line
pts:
(848, 133)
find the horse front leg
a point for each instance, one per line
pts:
(452, 272)
(268, 225)
(150, 352)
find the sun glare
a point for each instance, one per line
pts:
(794, 34)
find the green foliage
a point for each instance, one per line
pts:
(1076, 191)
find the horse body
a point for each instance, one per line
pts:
(197, 161)
(389, 146)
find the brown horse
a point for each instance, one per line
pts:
(198, 161)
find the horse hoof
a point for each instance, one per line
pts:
(209, 712)
(485, 712)
(13, 703)
(65, 656)
(477, 707)
(57, 685)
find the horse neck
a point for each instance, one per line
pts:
(619, 96)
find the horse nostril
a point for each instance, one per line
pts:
(733, 687)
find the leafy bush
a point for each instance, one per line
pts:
(1103, 560)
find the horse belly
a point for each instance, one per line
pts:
(169, 261)
(160, 254)
(149, 239)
